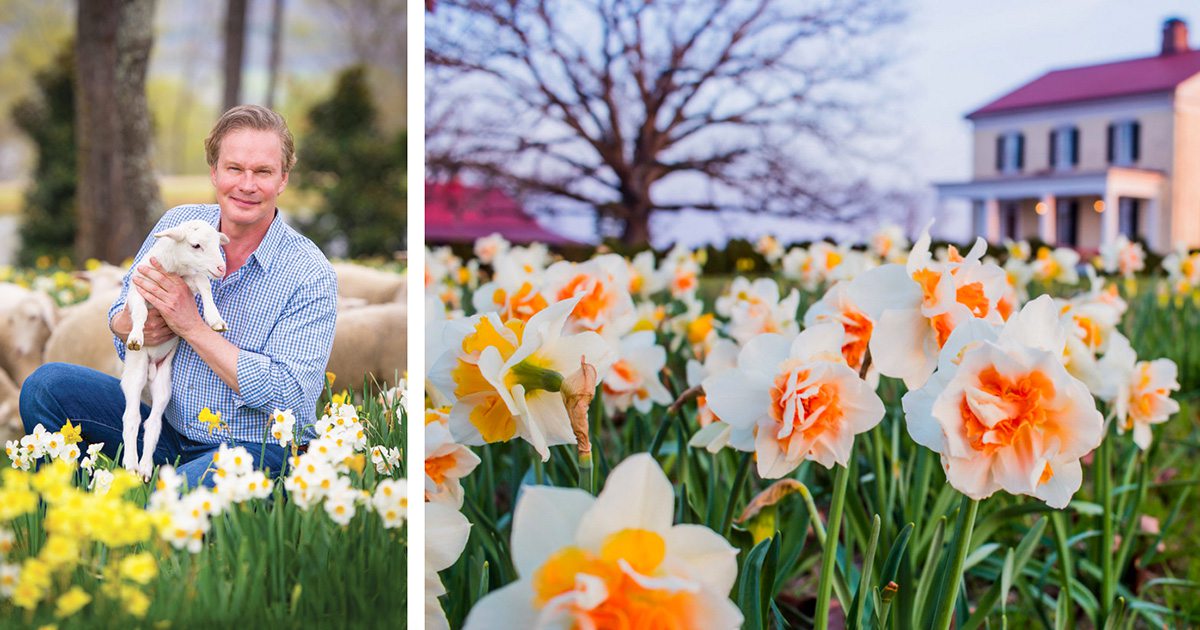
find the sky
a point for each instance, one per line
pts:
(955, 56)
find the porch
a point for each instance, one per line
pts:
(1083, 211)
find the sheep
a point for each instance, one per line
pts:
(11, 427)
(82, 335)
(369, 341)
(193, 250)
(27, 318)
(373, 285)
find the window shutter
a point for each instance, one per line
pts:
(1000, 152)
(1020, 151)
(1112, 136)
(1053, 148)
(1074, 146)
(1135, 133)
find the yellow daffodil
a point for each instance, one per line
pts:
(72, 434)
(210, 418)
(71, 602)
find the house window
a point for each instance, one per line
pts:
(1064, 148)
(1010, 152)
(1124, 142)
(1067, 215)
(1128, 219)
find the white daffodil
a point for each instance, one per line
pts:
(1003, 411)
(513, 391)
(446, 462)
(797, 397)
(922, 303)
(754, 308)
(599, 289)
(446, 534)
(584, 561)
(633, 379)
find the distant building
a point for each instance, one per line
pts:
(455, 213)
(1077, 156)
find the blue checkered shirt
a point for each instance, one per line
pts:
(281, 306)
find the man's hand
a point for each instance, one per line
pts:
(156, 330)
(171, 297)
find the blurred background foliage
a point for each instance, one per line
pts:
(354, 203)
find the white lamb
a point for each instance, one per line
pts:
(192, 250)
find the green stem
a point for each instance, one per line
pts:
(962, 543)
(585, 473)
(829, 553)
(738, 481)
(1104, 478)
(539, 470)
(1065, 571)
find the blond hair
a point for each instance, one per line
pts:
(251, 117)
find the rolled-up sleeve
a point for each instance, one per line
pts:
(289, 373)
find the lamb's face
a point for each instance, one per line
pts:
(197, 246)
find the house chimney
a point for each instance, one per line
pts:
(1174, 37)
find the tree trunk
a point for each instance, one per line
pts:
(637, 228)
(276, 51)
(235, 44)
(118, 190)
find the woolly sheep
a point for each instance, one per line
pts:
(193, 250)
(369, 341)
(82, 336)
(10, 416)
(373, 285)
(27, 318)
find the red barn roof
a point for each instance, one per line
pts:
(455, 213)
(1147, 75)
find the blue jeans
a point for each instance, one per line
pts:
(93, 401)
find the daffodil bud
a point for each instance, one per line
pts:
(577, 391)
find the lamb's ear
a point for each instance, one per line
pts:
(224, 239)
(178, 233)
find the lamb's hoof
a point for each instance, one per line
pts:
(145, 469)
(133, 344)
(219, 326)
(129, 461)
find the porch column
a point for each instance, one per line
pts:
(991, 214)
(1109, 220)
(1153, 227)
(1048, 219)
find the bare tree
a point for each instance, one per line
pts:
(118, 191)
(630, 107)
(235, 46)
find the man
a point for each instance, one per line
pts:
(278, 296)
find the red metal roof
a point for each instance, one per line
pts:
(455, 213)
(1147, 75)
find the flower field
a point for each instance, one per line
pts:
(85, 544)
(892, 435)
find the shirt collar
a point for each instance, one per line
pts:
(271, 243)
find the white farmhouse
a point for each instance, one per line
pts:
(1077, 156)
